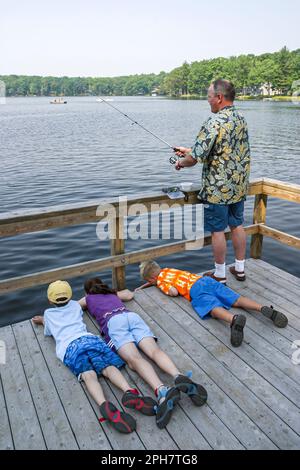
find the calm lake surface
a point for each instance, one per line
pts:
(84, 150)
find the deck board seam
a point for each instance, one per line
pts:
(54, 385)
(92, 319)
(29, 389)
(216, 384)
(97, 326)
(264, 265)
(237, 378)
(259, 374)
(6, 410)
(260, 282)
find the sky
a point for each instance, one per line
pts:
(113, 37)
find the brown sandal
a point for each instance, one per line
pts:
(222, 280)
(239, 276)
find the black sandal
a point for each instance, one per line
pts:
(164, 409)
(196, 392)
(278, 318)
(237, 330)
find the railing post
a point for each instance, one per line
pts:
(118, 248)
(259, 217)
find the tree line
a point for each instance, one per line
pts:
(278, 70)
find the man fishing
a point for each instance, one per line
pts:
(222, 146)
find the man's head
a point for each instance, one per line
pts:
(59, 293)
(221, 93)
(149, 271)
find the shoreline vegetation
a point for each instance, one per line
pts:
(272, 75)
(247, 98)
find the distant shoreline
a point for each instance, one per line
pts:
(278, 98)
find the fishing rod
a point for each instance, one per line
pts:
(172, 159)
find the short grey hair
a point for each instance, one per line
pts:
(225, 87)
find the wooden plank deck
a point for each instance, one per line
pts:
(254, 391)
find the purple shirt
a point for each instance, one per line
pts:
(103, 307)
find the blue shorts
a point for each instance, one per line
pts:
(128, 327)
(217, 217)
(207, 294)
(90, 353)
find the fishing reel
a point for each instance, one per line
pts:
(175, 158)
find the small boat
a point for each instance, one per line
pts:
(58, 101)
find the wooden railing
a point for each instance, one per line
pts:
(16, 223)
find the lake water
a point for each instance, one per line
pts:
(85, 150)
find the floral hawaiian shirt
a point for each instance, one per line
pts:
(223, 147)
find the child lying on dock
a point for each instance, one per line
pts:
(87, 356)
(208, 297)
(126, 331)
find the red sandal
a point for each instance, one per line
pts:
(119, 420)
(132, 399)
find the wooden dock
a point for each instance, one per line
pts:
(253, 391)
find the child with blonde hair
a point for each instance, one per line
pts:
(208, 297)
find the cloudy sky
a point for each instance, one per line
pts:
(114, 37)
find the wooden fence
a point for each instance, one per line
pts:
(27, 221)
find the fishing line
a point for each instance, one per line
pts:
(172, 159)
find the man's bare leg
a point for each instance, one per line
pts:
(239, 242)
(219, 247)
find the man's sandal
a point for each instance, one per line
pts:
(221, 280)
(240, 276)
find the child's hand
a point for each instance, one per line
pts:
(125, 295)
(38, 320)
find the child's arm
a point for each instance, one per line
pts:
(144, 286)
(38, 320)
(82, 303)
(125, 295)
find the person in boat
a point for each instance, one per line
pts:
(222, 146)
(127, 333)
(88, 356)
(208, 297)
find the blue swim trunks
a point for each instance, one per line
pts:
(217, 217)
(207, 294)
(90, 353)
